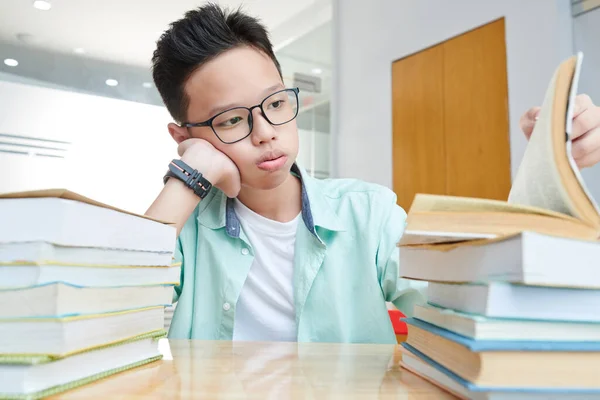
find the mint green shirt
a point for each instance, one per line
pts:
(345, 265)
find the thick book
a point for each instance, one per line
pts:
(27, 274)
(528, 258)
(509, 364)
(60, 337)
(36, 379)
(44, 252)
(502, 300)
(427, 368)
(58, 300)
(548, 195)
(66, 218)
(478, 327)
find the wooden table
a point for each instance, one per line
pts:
(233, 370)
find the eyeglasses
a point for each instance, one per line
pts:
(233, 125)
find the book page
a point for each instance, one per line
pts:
(440, 203)
(538, 181)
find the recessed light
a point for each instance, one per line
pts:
(11, 62)
(112, 82)
(147, 85)
(43, 5)
(79, 50)
(317, 71)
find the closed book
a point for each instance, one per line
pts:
(528, 258)
(484, 328)
(59, 337)
(424, 366)
(523, 364)
(37, 378)
(44, 252)
(65, 218)
(503, 300)
(64, 300)
(27, 274)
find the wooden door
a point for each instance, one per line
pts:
(450, 118)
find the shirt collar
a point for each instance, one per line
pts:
(218, 211)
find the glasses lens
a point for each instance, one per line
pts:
(281, 107)
(232, 125)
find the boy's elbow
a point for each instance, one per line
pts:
(407, 300)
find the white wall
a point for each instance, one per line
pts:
(119, 152)
(314, 152)
(369, 37)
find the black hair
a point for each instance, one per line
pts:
(201, 35)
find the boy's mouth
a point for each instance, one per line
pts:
(271, 161)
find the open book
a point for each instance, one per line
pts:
(548, 193)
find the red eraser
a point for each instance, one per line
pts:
(399, 326)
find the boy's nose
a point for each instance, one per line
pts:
(262, 130)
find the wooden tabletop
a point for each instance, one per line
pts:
(237, 370)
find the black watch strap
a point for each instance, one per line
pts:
(189, 176)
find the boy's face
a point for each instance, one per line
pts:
(242, 77)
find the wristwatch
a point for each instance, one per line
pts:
(189, 176)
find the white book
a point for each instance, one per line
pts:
(62, 300)
(68, 219)
(60, 337)
(19, 381)
(528, 258)
(501, 300)
(481, 328)
(18, 252)
(27, 275)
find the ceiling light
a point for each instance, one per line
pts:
(317, 71)
(43, 5)
(79, 50)
(147, 85)
(112, 82)
(11, 62)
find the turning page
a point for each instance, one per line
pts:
(538, 182)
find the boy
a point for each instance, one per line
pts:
(268, 253)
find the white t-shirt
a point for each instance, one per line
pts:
(265, 309)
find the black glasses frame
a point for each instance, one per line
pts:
(209, 121)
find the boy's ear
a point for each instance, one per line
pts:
(178, 133)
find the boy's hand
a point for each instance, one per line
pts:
(213, 164)
(585, 134)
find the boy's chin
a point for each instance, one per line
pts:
(269, 181)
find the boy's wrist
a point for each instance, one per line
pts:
(189, 176)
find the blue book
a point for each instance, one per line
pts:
(504, 345)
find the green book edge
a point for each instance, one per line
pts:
(43, 358)
(78, 383)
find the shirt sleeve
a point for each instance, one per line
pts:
(403, 293)
(178, 255)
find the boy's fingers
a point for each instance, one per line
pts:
(527, 121)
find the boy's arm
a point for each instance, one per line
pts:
(176, 202)
(403, 293)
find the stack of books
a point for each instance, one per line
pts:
(83, 289)
(514, 292)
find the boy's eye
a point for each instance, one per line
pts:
(231, 122)
(276, 104)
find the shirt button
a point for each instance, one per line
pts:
(245, 251)
(226, 306)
